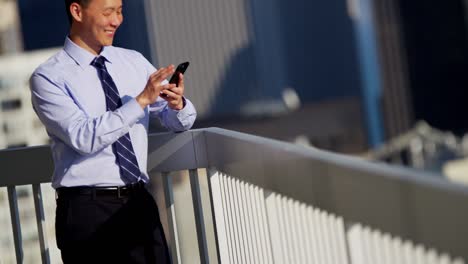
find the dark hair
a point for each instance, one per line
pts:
(83, 3)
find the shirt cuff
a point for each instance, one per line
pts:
(184, 112)
(131, 112)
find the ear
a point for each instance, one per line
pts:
(76, 11)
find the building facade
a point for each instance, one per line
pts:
(10, 37)
(19, 125)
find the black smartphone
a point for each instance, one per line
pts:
(180, 69)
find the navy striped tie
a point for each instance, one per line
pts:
(123, 149)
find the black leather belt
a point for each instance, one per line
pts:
(117, 191)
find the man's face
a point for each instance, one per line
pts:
(101, 18)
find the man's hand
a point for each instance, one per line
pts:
(174, 95)
(154, 87)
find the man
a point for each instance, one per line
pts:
(95, 101)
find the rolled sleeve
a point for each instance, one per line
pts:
(132, 112)
(64, 119)
(185, 117)
(175, 120)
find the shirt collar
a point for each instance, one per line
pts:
(106, 52)
(81, 56)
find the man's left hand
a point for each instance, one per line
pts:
(174, 96)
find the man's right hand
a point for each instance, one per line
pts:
(154, 87)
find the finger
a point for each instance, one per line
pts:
(158, 72)
(177, 90)
(169, 70)
(181, 80)
(166, 87)
(162, 73)
(162, 76)
(170, 94)
(155, 73)
(165, 96)
(160, 83)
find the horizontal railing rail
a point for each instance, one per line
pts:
(272, 201)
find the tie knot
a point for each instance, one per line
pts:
(99, 62)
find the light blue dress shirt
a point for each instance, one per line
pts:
(68, 98)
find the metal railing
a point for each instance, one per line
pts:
(274, 202)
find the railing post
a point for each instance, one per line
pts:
(15, 222)
(272, 217)
(237, 230)
(243, 217)
(252, 224)
(228, 205)
(219, 225)
(171, 217)
(264, 227)
(41, 225)
(199, 220)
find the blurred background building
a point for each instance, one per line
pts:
(352, 76)
(10, 37)
(20, 125)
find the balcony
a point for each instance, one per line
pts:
(257, 200)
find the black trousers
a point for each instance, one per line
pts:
(103, 228)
